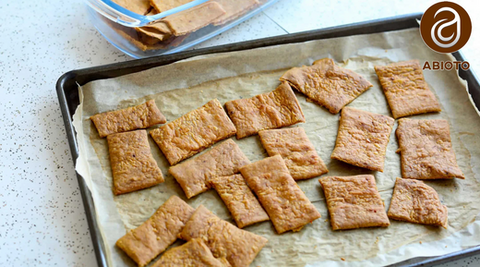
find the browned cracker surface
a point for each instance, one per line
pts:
(140, 7)
(276, 109)
(164, 5)
(426, 150)
(132, 118)
(354, 202)
(406, 90)
(296, 149)
(224, 239)
(133, 166)
(240, 201)
(191, 254)
(234, 9)
(157, 233)
(284, 201)
(194, 18)
(327, 84)
(193, 132)
(223, 159)
(414, 201)
(363, 138)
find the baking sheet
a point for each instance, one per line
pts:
(186, 85)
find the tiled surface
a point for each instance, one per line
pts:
(42, 219)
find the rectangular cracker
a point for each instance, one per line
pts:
(193, 253)
(225, 240)
(234, 9)
(140, 7)
(296, 150)
(414, 201)
(240, 201)
(193, 175)
(194, 18)
(327, 84)
(145, 242)
(426, 150)
(406, 90)
(132, 118)
(164, 5)
(284, 201)
(133, 166)
(276, 109)
(193, 132)
(363, 138)
(354, 202)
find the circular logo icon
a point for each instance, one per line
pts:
(445, 27)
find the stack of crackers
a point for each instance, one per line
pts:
(173, 29)
(266, 190)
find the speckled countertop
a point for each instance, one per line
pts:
(42, 219)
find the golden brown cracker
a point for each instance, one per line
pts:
(133, 166)
(224, 239)
(193, 132)
(223, 159)
(296, 149)
(164, 5)
(283, 200)
(193, 253)
(147, 241)
(406, 90)
(140, 7)
(327, 84)
(240, 201)
(426, 150)
(194, 18)
(414, 201)
(354, 202)
(128, 119)
(234, 9)
(363, 138)
(276, 109)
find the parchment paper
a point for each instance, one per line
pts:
(186, 85)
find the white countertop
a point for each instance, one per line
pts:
(42, 218)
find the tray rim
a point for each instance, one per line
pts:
(79, 77)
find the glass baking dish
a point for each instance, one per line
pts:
(175, 29)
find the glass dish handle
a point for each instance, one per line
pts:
(123, 16)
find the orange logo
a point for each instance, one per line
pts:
(445, 27)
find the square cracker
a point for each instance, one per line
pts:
(284, 201)
(133, 165)
(164, 5)
(354, 202)
(140, 7)
(193, 253)
(276, 109)
(193, 132)
(223, 159)
(234, 9)
(128, 119)
(296, 149)
(426, 150)
(414, 201)
(240, 201)
(151, 238)
(224, 239)
(327, 84)
(405, 88)
(363, 138)
(194, 18)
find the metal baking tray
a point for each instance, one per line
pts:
(67, 92)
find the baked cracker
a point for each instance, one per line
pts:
(354, 202)
(275, 109)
